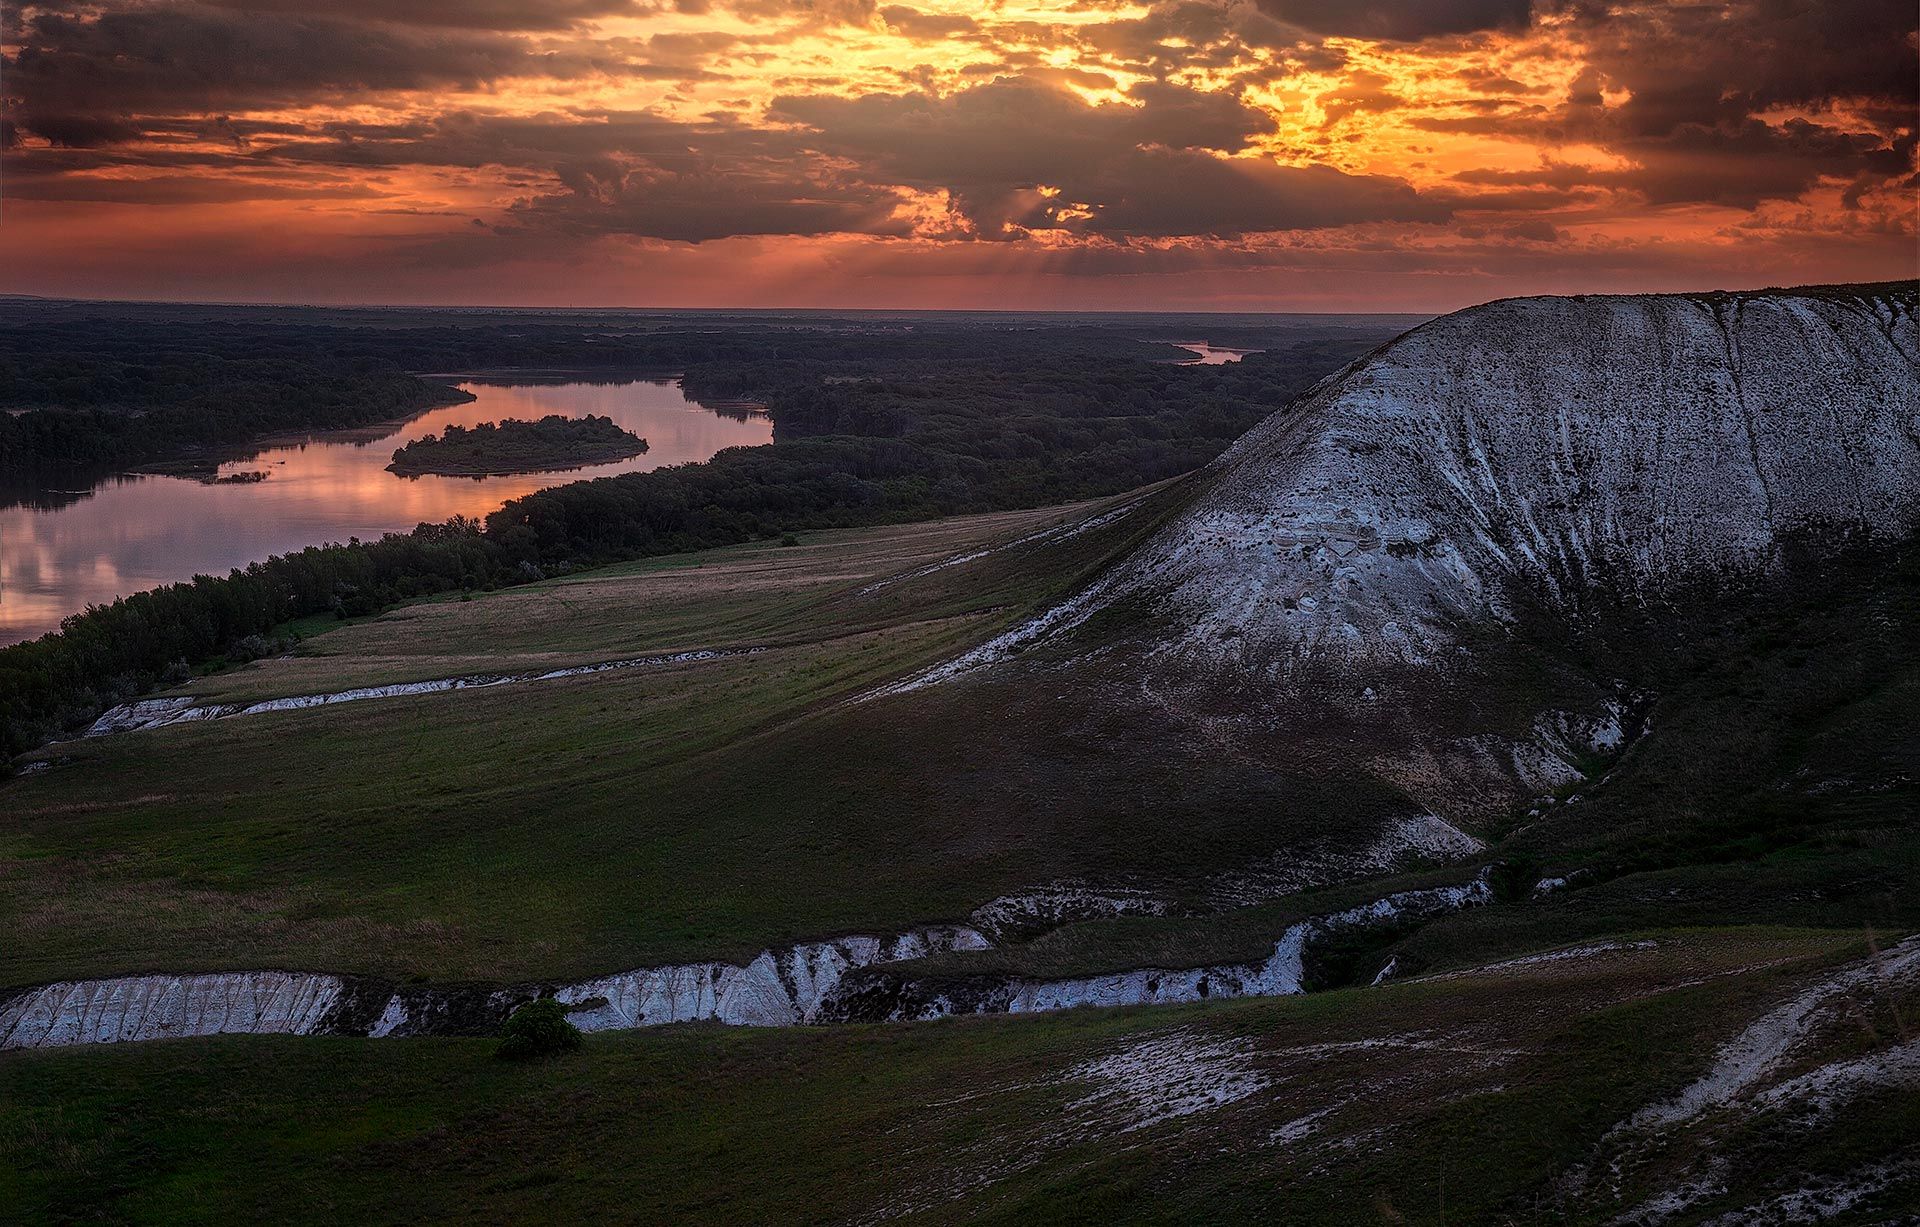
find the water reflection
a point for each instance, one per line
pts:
(62, 551)
(1212, 355)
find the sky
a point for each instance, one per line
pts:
(1321, 155)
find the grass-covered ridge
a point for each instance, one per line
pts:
(514, 446)
(503, 834)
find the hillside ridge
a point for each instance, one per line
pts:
(1529, 448)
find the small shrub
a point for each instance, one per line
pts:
(256, 647)
(537, 1029)
(789, 539)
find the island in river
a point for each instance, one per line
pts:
(514, 446)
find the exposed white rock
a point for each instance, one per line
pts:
(794, 986)
(1568, 954)
(1400, 843)
(1300, 1126)
(774, 990)
(168, 1007)
(1282, 973)
(1279, 976)
(145, 713)
(1822, 1090)
(1421, 836)
(1561, 740)
(393, 1018)
(1547, 444)
(1755, 1056)
(1822, 1199)
(685, 993)
(1162, 1077)
(159, 713)
(1049, 907)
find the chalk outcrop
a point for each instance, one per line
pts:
(1032, 912)
(167, 1007)
(879, 995)
(143, 714)
(1537, 448)
(813, 982)
(773, 990)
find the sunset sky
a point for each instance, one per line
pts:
(1089, 154)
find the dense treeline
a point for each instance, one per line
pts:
(106, 384)
(71, 408)
(869, 427)
(107, 654)
(512, 446)
(992, 437)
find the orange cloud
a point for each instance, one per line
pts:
(1418, 153)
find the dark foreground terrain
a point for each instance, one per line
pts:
(1439, 809)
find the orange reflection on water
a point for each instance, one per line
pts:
(136, 532)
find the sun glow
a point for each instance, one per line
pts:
(1166, 140)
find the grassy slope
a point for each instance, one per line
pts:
(583, 826)
(580, 826)
(572, 826)
(1490, 1087)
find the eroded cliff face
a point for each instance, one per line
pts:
(881, 994)
(1546, 447)
(170, 1007)
(778, 988)
(840, 980)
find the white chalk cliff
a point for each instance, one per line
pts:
(1550, 443)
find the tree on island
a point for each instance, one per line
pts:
(514, 446)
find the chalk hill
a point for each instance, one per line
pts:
(1540, 448)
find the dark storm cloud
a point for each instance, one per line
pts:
(622, 173)
(455, 14)
(1186, 34)
(1703, 63)
(1399, 20)
(1014, 129)
(68, 131)
(81, 78)
(1727, 103)
(1697, 84)
(469, 140)
(1015, 153)
(177, 190)
(703, 203)
(808, 12)
(1703, 95)
(1691, 62)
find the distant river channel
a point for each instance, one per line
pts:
(62, 550)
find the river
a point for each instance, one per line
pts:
(138, 531)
